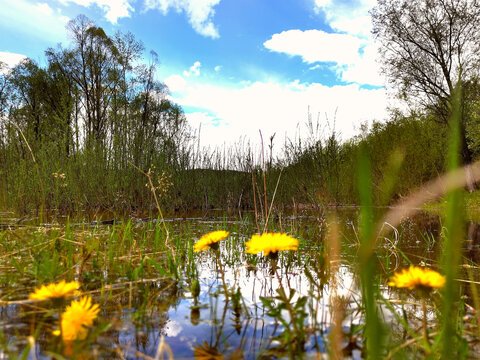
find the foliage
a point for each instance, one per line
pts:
(70, 131)
(427, 47)
(85, 115)
(322, 172)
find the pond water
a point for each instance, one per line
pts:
(157, 296)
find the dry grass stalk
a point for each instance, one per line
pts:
(337, 315)
(432, 190)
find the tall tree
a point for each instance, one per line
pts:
(4, 88)
(27, 81)
(4, 94)
(130, 51)
(60, 95)
(160, 126)
(92, 65)
(427, 47)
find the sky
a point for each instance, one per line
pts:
(235, 66)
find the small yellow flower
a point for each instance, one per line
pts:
(78, 315)
(271, 243)
(207, 240)
(414, 277)
(54, 291)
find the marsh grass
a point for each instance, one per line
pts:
(331, 296)
(140, 286)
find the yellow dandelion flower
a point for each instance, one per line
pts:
(209, 240)
(414, 277)
(271, 243)
(76, 317)
(55, 291)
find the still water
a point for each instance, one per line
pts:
(156, 297)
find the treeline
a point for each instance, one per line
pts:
(75, 133)
(70, 130)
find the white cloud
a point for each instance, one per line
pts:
(364, 71)
(175, 83)
(44, 9)
(316, 46)
(194, 69)
(350, 18)
(172, 328)
(232, 112)
(347, 16)
(217, 68)
(114, 9)
(11, 59)
(64, 19)
(201, 118)
(354, 57)
(200, 13)
(36, 20)
(321, 3)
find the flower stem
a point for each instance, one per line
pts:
(222, 275)
(227, 298)
(424, 323)
(287, 303)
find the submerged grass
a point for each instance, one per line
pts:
(317, 299)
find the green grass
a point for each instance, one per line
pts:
(471, 206)
(144, 283)
(148, 282)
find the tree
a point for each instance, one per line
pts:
(159, 126)
(4, 88)
(4, 95)
(427, 47)
(92, 64)
(130, 51)
(27, 81)
(94, 107)
(60, 94)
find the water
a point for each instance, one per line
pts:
(141, 307)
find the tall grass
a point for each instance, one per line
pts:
(373, 334)
(317, 170)
(453, 243)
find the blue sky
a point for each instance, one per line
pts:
(236, 66)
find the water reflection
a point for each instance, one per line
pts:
(200, 321)
(472, 242)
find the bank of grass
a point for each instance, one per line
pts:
(471, 205)
(136, 272)
(316, 172)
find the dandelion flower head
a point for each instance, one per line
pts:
(55, 291)
(76, 317)
(271, 243)
(207, 240)
(414, 277)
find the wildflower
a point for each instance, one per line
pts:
(54, 291)
(58, 175)
(271, 243)
(78, 315)
(414, 277)
(210, 240)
